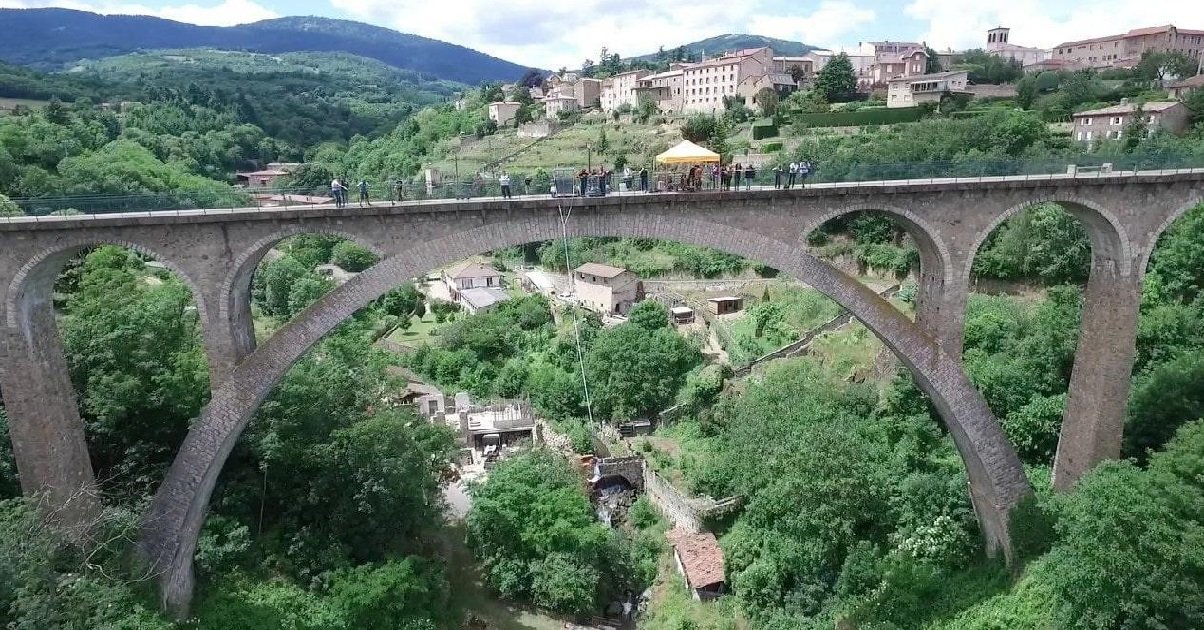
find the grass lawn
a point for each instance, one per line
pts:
(803, 308)
(418, 333)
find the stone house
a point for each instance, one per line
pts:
(619, 89)
(998, 45)
(1110, 123)
(608, 290)
(553, 105)
(588, 92)
(700, 561)
(503, 112)
(261, 179)
(1180, 89)
(897, 59)
(910, 91)
(663, 88)
(473, 276)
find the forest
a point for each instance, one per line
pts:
(329, 513)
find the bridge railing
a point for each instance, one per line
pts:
(218, 200)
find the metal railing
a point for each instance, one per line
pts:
(662, 181)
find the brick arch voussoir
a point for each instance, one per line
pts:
(173, 522)
(60, 253)
(927, 237)
(1151, 242)
(1104, 229)
(249, 258)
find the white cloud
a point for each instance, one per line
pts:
(834, 24)
(553, 34)
(1044, 23)
(225, 13)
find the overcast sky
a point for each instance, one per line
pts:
(551, 34)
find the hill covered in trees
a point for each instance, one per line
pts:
(737, 41)
(51, 38)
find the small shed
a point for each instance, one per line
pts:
(726, 305)
(700, 560)
(682, 315)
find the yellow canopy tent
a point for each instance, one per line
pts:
(687, 152)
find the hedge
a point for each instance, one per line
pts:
(877, 116)
(764, 129)
(771, 147)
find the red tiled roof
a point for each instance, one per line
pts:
(1149, 30)
(602, 271)
(700, 556)
(1192, 82)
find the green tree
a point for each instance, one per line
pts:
(932, 63)
(1157, 65)
(699, 127)
(767, 102)
(9, 209)
(403, 302)
(635, 372)
(409, 594)
(836, 81)
(352, 256)
(135, 357)
(9, 484)
(533, 530)
(1129, 541)
(649, 315)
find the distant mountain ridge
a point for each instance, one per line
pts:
(49, 39)
(712, 46)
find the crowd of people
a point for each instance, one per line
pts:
(596, 182)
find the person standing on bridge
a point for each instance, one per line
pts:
(777, 176)
(749, 174)
(791, 173)
(804, 169)
(336, 191)
(504, 181)
(644, 179)
(364, 193)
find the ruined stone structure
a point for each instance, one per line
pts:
(216, 253)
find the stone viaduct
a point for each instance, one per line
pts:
(216, 253)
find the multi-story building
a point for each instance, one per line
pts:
(925, 88)
(1125, 50)
(1111, 123)
(588, 92)
(705, 84)
(806, 65)
(555, 104)
(998, 45)
(664, 88)
(619, 89)
(897, 59)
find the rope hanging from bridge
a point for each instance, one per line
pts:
(568, 267)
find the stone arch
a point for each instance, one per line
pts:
(1099, 380)
(934, 254)
(41, 271)
(173, 522)
(936, 303)
(1153, 237)
(234, 307)
(1109, 240)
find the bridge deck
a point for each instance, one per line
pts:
(434, 205)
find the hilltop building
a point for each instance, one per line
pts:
(998, 45)
(620, 89)
(1125, 50)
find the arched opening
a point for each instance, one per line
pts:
(281, 274)
(1168, 373)
(1024, 331)
(898, 256)
(997, 482)
(121, 329)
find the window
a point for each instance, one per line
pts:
(1088, 136)
(1117, 120)
(1087, 121)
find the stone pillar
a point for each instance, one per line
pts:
(941, 311)
(45, 426)
(1099, 387)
